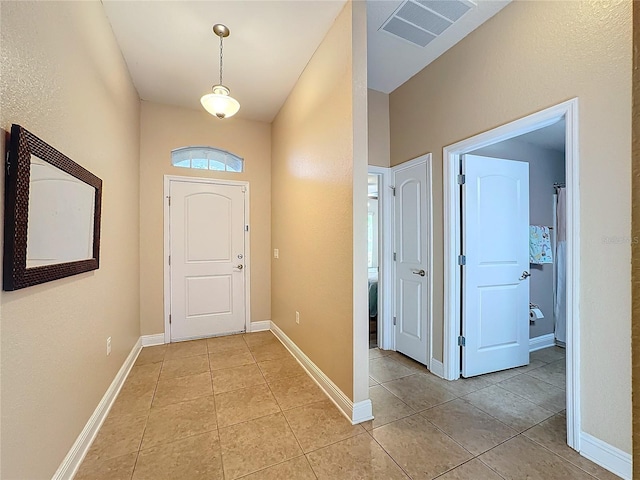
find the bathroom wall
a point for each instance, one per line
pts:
(546, 167)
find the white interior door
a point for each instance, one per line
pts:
(206, 235)
(495, 283)
(412, 246)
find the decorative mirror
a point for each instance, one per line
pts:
(52, 214)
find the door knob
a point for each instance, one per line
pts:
(525, 274)
(240, 267)
(422, 273)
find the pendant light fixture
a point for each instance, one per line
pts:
(220, 103)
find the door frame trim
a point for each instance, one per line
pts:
(386, 334)
(427, 160)
(247, 246)
(452, 290)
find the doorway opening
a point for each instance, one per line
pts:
(373, 254)
(400, 284)
(457, 265)
(379, 258)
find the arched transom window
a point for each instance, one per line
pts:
(206, 158)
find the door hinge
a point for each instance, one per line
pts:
(393, 190)
(169, 259)
(169, 319)
(394, 321)
(461, 341)
(394, 256)
(246, 228)
(8, 162)
(462, 259)
(169, 198)
(461, 179)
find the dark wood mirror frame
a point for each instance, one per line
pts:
(22, 145)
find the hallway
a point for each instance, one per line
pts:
(242, 407)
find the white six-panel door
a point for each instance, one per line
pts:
(412, 247)
(495, 283)
(207, 248)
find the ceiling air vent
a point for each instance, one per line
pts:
(420, 21)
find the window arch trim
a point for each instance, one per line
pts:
(202, 157)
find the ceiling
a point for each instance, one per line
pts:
(550, 138)
(172, 53)
(391, 60)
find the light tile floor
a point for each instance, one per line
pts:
(242, 407)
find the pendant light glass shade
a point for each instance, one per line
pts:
(219, 103)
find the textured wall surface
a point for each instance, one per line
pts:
(312, 213)
(164, 128)
(64, 79)
(379, 141)
(635, 181)
(530, 56)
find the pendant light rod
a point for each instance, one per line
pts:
(221, 31)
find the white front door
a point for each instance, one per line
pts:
(495, 283)
(412, 246)
(207, 248)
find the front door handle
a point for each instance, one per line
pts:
(422, 273)
(525, 275)
(240, 267)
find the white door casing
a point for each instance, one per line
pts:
(452, 237)
(412, 266)
(495, 288)
(386, 284)
(207, 259)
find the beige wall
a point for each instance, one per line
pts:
(163, 128)
(379, 135)
(312, 208)
(64, 79)
(635, 336)
(530, 56)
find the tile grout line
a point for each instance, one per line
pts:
(479, 407)
(529, 400)
(215, 412)
(146, 422)
(283, 416)
(389, 454)
(555, 453)
(489, 467)
(544, 381)
(460, 397)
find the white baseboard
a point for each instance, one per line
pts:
(355, 413)
(71, 463)
(543, 341)
(261, 326)
(605, 455)
(436, 367)
(151, 340)
(362, 411)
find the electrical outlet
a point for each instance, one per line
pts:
(298, 318)
(276, 253)
(108, 346)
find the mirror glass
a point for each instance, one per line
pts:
(61, 216)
